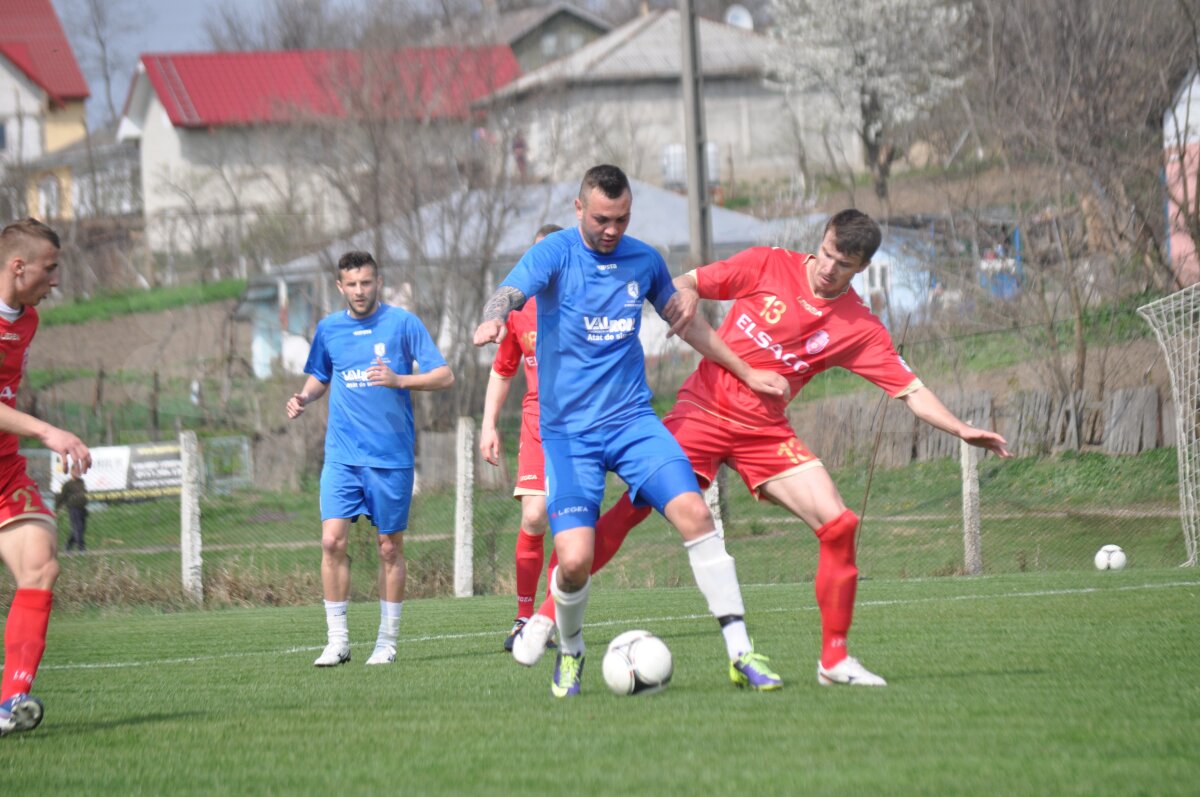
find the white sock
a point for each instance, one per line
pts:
(335, 621)
(569, 607)
(716, 576)
(389, 622)
(737, 639)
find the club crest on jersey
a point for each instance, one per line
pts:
(380, 348)
(817, 342)
(632, 289)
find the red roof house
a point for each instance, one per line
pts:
(247, 88)
(209, 125)
(32, 39)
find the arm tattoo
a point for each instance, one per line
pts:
(503, 301)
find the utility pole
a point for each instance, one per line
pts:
(699, 205)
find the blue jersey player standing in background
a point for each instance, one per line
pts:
(367, 354)
(596, 416)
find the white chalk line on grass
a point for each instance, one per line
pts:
(622, 622)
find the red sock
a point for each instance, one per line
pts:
(529, 570)
(611, 530)
(25, 639)
(836, 583)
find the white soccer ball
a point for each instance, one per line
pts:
(1110, 557)
(637, 663)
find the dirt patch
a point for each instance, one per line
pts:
(184, 341)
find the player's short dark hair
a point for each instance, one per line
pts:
(611, 181)
(356, 259)
(545, 230)
(16, 237)
(854, 233)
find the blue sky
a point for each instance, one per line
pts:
(166, 26)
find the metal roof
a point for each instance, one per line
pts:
(32, 38)
(649, 47)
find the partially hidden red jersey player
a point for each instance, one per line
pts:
(28, 545)
(797, 315)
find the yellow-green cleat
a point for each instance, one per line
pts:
(568, 671)
(751, 671)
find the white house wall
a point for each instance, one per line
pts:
(202, 187)
(22, 113)
(757, 133)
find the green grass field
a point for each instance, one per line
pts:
(1078, 683)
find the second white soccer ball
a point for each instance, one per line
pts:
(1110, 557)
(637, 663)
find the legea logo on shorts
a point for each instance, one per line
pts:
(570, 510)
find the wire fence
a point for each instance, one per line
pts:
(1041, 511)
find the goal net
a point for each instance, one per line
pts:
(1175, 320)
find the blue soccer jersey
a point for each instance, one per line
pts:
(369, 424)
(591, 367)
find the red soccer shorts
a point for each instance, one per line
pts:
(20, 498)
(758, 455)
(531, 462)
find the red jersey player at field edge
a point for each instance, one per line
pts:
(517, 348)
(797, 315)
(28, 542)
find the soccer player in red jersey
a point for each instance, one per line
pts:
(796, 314)
(28, 532)
(516, 349)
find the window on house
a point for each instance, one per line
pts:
(3, 134)
(550, 44)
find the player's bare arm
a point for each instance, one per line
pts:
(703, 338)
(925, 404)
(313, 389)
(495, 313)
(75, 455)
(493, 400)
(381, 375)
(681, 307)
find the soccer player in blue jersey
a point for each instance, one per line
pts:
(366, 353)
(596, 416)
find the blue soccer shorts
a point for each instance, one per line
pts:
(383, 495)
(642, 452)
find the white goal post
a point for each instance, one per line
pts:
(1175, 320)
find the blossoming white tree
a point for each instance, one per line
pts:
(895, 60)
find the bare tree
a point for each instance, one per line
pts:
(281, 25)
(891, 60)
(100, 32)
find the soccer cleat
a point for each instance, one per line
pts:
(518, 624)
(532, 640)
(383, 654)
(751, 671)
(21, 712)
(568, 671)
(848, 672)
(335, 653)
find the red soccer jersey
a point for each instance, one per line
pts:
(520, 344)
(15, 338)
(777, 324)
